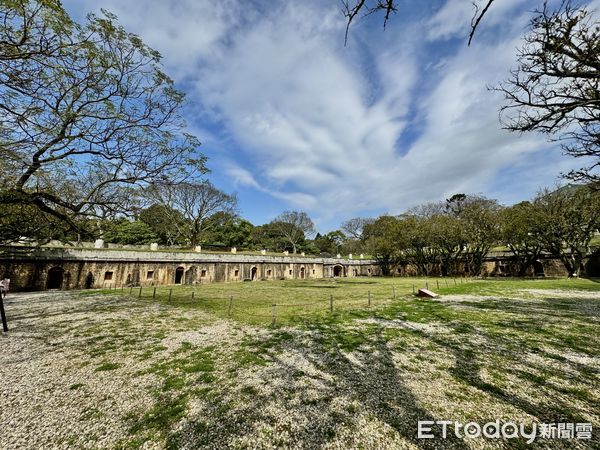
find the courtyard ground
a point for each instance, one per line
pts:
(164, 370)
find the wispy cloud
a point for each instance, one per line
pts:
(396, 118)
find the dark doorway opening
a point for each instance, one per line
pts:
(253, 273)
(592, 268)
(191, 275)
(338, 271)
(55, 278)
(179, 275)
(538, 269)
(302, 273)
(89, 280)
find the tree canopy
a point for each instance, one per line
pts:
(86, 113)
(555, 88)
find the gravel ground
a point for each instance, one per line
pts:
(52, 394)
(98, 371)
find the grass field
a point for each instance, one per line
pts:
(301, 301)
(177, 372)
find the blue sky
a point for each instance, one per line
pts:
(290, 118)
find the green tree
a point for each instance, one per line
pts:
(131, 233)
(384, 241)
(482, 230)
(330, 243)
(168, 224)
(519, 231)
(448, 235)
(418, 247)
(229, 230)
(85, 111)
(568, 218)
(268, 237)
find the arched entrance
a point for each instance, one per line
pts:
(191, 275)
(302, 273)
(592, 267)
(538, 268)
(338, 271)
(179, 275)
(89, 280)
(55, 278)
(253, 273)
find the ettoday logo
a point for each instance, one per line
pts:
(430, 429)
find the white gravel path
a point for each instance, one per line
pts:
(51, 394)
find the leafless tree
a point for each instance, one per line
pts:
(294, 226)
(352, 9)
(353, 228)
(556, 87)
(195, 202)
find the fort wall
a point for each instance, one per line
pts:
(80, 268)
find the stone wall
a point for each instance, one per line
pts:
(77, 268)
(80, 268)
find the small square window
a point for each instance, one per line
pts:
(236, 273)
(108, 276)
(150, 275)
(269, 272)
(203, 273)
(290, 271)
(314, 271)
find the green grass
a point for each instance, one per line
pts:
(107, 366)
(486, 348)
(301, 301)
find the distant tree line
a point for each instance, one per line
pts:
(445, 237)
(456, 235)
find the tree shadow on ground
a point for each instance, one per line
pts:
(321, 402)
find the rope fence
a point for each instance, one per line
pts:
(276, 312)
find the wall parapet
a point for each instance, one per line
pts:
(88, 254)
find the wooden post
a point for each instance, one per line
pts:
(394, 292)
(446, 280)
(438, 284)
(427, 285)
(3, 314)
(455, 282)
(331, 303)
(369, 298)
(154, 293)
(413, 288)
(273, 314)
(170, 293)
(140, 294)
(193, 292)
(130, 289)
(231, 305)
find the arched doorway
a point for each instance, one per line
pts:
(338, 271)
(179, 275)
(302, 273)
(253, 273)
(538, 268)
(592, 267)
(191, 275)
(89, 280)
(55, 278)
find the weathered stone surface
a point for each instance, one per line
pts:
(78, 268)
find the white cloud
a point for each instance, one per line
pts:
(324, 127)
